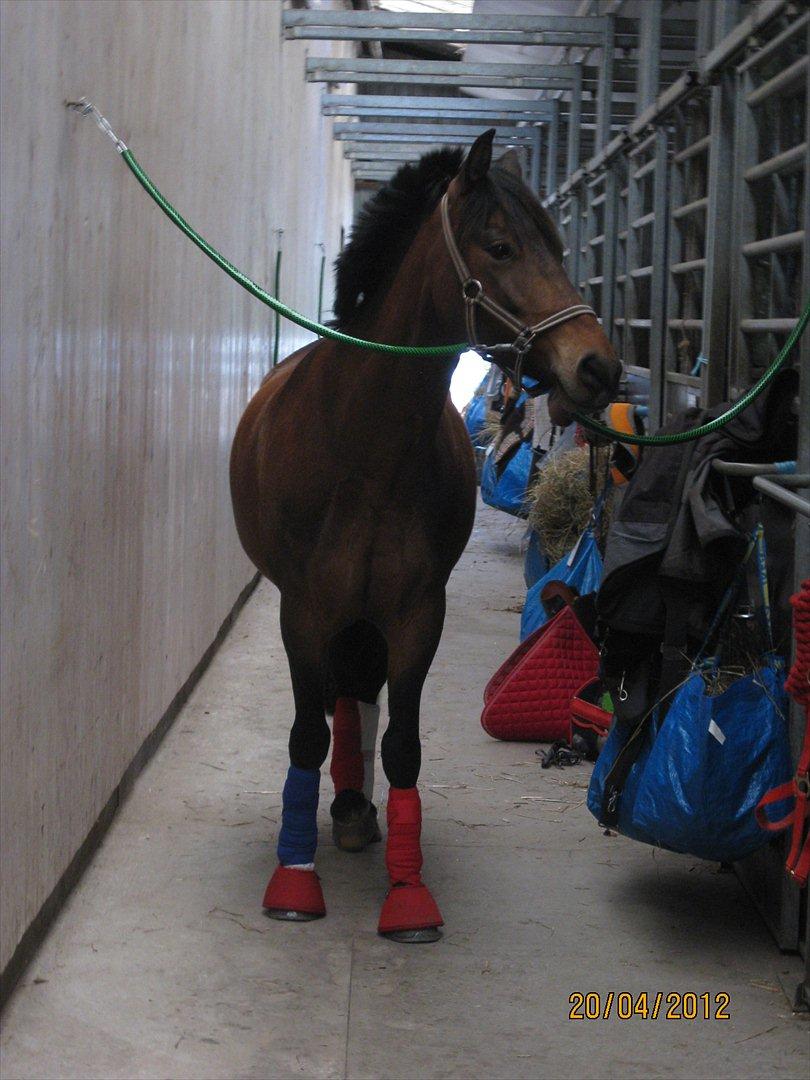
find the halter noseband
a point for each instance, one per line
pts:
(474, 294)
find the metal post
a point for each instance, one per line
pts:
(610, 228)
(649, 53)
(726, 16)
(277, 292)
(715, 337)
(552, 148)
(534, 161)
(658, 280)
(603, 111)
(574, 234)
(574, 120)
(320, 281)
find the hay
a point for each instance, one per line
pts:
(560, 502)
(492, 429)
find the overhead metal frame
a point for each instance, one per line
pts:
(399, 27)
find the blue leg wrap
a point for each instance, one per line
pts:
(298, 837)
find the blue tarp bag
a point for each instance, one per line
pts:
(697, 781)
(581, 568)
(475, 417)
(508, 491)
(535, 562)
(696, 777)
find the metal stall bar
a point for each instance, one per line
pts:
(644, 276)
(441, 72)
(699, 236)
(592, 245)
(438, 138)
(770, 280)
(778, 490)
(770, 194)
(463, 28)
(604, 94)
(534, 161)
(610, 229)
(650, 48)
(553, 147)
(448, 132)
(507, 110)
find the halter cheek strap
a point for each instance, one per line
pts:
(475, 296)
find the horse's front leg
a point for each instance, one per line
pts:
(409, 913)
(294, 892)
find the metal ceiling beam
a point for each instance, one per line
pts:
(376, 151)
(506, 29)
(508, 109)
(330, 69)
(505, 110)
(415, 130)
(443, 72)
(403, 136)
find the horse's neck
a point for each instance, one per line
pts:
(405, 395)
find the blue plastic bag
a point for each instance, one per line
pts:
(475, 417)
(535, 562)
(581, 568)
(698, 779)
(508, 491)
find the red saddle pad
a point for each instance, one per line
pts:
(528, 699)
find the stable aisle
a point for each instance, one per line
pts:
(163, 965)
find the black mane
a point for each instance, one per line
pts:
(388, 223)
(386, 227)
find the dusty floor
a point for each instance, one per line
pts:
(163, 965)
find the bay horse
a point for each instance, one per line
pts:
(353, 487)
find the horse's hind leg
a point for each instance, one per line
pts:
(409, 913)
(358, 663)
(294, 892)
(354, 815)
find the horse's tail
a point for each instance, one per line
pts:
(358, 665)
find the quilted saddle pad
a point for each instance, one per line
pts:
(528, 699)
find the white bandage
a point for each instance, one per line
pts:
(369, 722)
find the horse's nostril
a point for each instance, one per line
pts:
(599, 374)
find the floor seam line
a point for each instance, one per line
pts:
(349, 1011)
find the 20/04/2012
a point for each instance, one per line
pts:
(675, 1005)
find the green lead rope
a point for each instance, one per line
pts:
(719, 421)
(265, 297)
(449, 350)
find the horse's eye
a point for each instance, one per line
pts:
(500, 250)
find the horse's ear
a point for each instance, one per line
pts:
(511, 162)
(477, 162)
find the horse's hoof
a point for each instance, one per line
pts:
(294, 895)
(354, 823)
(290, 916)
(410, 914)
(414, 937)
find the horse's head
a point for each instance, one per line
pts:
(509, 247)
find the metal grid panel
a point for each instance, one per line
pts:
(771, 195)
(641, 254)
(686, 266)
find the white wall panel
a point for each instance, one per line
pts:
(127, 358)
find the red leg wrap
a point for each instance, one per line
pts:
(295, 890)
(346, 769)
(409, 904)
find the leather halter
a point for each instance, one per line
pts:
(474, 295)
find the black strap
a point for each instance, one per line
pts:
(617, 777)
(672, 667)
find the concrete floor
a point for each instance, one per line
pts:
(163, 965)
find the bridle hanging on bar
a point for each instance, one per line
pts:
(474, 295)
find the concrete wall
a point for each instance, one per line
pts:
(127, 359)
